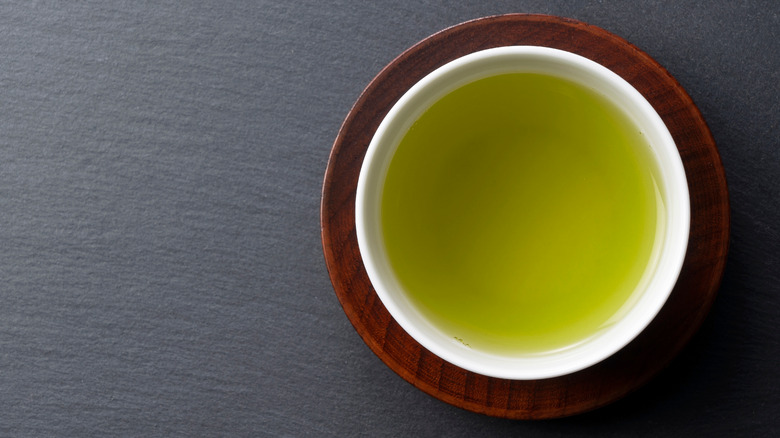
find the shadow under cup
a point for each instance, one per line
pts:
(522, 212)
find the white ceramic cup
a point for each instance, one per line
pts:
(659, 279)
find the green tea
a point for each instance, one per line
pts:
(520, 212)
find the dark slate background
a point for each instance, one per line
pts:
(161, 272)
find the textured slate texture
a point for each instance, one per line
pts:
(161, 272)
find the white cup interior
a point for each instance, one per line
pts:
(657, 284)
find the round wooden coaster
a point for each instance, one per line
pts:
(604, 382)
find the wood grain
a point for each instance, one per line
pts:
(604, 382)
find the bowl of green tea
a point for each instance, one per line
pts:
(522, 212)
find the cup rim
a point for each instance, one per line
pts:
(462, 71)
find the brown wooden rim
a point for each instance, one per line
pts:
(608, 380)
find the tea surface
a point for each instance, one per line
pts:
(520, 212)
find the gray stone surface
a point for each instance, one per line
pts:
(161, 272)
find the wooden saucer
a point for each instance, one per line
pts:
(604, 382)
